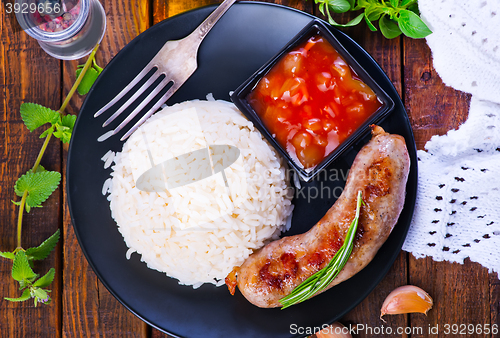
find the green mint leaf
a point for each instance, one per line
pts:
(96, 66)
(46, 132)
(39, 185)
(40, 295)
(44, 249)
(39, 169)
(45, 280)
(339, 6)
(88, 79)
(64, 130)
(352, 3)
(351, 23)
(35, 115)
(369, 23)
(21, 269)
(63, 133)
(412, 26)
(8, 255)
(388, 27)
(25, 296)
(395, 3)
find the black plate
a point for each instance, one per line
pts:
(248, 35)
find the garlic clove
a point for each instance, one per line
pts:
(336, 330)
(406, 299)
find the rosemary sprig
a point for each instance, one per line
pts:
(324, 277)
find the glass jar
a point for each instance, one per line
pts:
(67, 29)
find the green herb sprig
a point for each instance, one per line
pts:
(394, 16)
(325, 276)
(37, 184)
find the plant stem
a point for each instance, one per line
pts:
(25, 194)
(79, 79)
(20, 218)
(47, 139)
(42, 151)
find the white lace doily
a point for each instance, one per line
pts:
(465, 44)
(456, 214)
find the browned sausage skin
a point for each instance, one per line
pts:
(380, 171)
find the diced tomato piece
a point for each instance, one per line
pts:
(312, 100)
(313, 125)
(348, 100)
(341, 67)
(356, 111)
(311, 156)
(321, 140)
(301, 140)
(292, 64)
(324, 81)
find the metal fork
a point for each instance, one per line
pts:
(176, 60)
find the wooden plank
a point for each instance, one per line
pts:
(27, 74)
(433, 108)
(89, 310)
(461, 293)
(163, 9)
(495, 301)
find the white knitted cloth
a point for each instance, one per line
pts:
(457, 213)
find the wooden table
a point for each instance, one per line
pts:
(82, 307)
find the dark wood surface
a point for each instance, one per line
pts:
(82, 307)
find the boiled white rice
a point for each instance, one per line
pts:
(254, 210)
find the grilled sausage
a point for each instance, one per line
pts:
(380, 171)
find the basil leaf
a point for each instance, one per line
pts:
(351, 23)
(374, 12)
(407, 2)
(412, 26)
(388, 27)
(414, 9)
(369, 23)
(339, 6)
(395, 3)
(322, 8)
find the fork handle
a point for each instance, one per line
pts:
(202, 30)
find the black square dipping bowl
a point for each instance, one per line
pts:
(315, 27)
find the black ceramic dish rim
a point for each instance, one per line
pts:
(154, 323)
(315, 26)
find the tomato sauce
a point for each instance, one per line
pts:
(312, 100)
